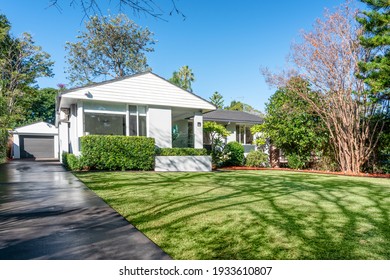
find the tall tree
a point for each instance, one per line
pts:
(39, 106)
(376, 39)
(327, 58)
(243, 107)
(217, 100)
(111, 47)
(183, 78)
(292, 126)
(21, 63)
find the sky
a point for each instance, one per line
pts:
(225, 43)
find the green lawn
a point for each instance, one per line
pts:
(253, 214)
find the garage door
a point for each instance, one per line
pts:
(36, 146)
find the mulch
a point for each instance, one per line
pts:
(307, 171)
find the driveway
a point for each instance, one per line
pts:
(47, 213)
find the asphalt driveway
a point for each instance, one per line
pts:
(47, 213)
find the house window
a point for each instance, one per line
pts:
(243, 134)
(104, 124)
(137, 120)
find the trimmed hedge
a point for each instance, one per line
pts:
(108, 152)
(181, 152)
(71, 162)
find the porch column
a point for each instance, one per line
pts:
(80, 126)
(198, 130)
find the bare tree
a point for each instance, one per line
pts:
(327, 58)
(147, 7)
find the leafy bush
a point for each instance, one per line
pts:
(72, 162)
(3, 144)
(296, 162)
(257, 159)
(109, 152)
(180, 152)
(234, 154)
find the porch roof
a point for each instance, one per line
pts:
(232, 116)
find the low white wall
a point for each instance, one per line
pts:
(183, 163)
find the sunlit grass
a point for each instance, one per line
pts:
(253, 214)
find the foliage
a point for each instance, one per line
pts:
(376, 40)
(217, 100)
(3, 144)
(72, 162)
(181, 152)
(227, 215)
(21, 63)
(327, 59)
(243, 107)
(296, 161)
(107, 152)
(110, 47)
(216, 132)
(39, 106)
(183, 78)
(234, 153)
(257, 159)
(261, 135)
(292, 126)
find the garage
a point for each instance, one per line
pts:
(39, 140)
(36, 146)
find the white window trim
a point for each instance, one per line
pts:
(138, 115)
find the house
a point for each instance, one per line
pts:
(140, 105)
(38, 140)
(237, 123)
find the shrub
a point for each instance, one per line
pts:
(296, 162)
(3, 144)
(257, 159)
(234, 154)
(109, 152)
(181, 152)
(72, 162)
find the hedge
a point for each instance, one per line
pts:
(181, 152)
(108, 152)
(234, 152)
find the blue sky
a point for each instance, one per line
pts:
(224, 42)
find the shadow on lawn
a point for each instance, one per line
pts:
(262, 215)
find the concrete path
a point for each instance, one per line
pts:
(47, 213)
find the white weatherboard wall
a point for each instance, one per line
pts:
(160, 126)
(183, 163)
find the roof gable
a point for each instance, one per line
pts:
(146, 88)
(37, 128)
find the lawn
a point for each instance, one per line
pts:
(253, 214)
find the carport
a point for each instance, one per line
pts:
(38, 140)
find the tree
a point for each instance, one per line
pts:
(243, 107)
(376, 39)
(40, 106)
(21, 63)
(327, 58)
(292, 126)
(148, 7)
(217, 100)
(216, 132)
(111, 47)
(183, 78)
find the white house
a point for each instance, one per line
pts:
(238, 124)
(139, 105)
(38, 140)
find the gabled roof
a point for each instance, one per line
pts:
(144, 88)
(232, 116)
(37, 128)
